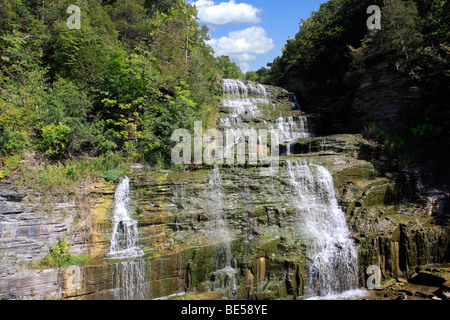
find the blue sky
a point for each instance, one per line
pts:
(252, 32)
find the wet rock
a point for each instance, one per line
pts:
(380, 84)
(387, 283)
(11, 195)
(444, 290)
(402, 280)
(406, 291)
(402, 296)
(428, 279)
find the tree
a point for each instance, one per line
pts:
(7, 14)
(135, 71)
(229, 69)
(264, 75)
(67, 105)
(129, 18)
(22, 87)
(252, 76)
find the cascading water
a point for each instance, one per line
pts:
(331, 251)
(251, 100)
(293, 99)
(331, 254)
(125, 230)
(238, 89)
(332, 257)
(290, 129)
(224, 278)
(131, 280)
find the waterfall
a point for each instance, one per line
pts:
(331, 251)
(224, 279)
(250, 100)
(245, 107)
(219, 227)
(293, 99)
(290, 129)
(125, 232)
(244, 99)
(238, 89)
(131, 280)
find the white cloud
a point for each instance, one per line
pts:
(225, 13)
(243, 45)
(244, 67)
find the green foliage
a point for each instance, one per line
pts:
(111, 166)
(8, 165)
(23, 88)
(129, 18)
(54, 140)
(318, 58)
(64, 178)
(397, 41)
(7, 14)
(230, 70)
(59, 256)
(69, 105)
(263, 75)
(78, 55)
(133, 73)
(333, 51)
(159, 123)
(398, 144)
(252, 76)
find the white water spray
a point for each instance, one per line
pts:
(125, 230)
(224, 278)
(331, 251)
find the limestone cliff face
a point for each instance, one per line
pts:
(395, 225)
(30, 224)
(382, 94)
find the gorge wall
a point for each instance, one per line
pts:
(230, 232)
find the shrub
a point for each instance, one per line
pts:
(59, 256)
(54, 140)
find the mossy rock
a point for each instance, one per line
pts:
(213, 295)
(352, 173)
(203, 263)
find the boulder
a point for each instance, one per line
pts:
(428, 278)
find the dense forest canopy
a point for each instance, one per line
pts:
(135, 71)
(334, 49)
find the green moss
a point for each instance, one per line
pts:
(261, 211)
(380, 195)
(352, 173)
(213, 295)
(151, 255)
(203, 264)
(270, 246)
(396, 234)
